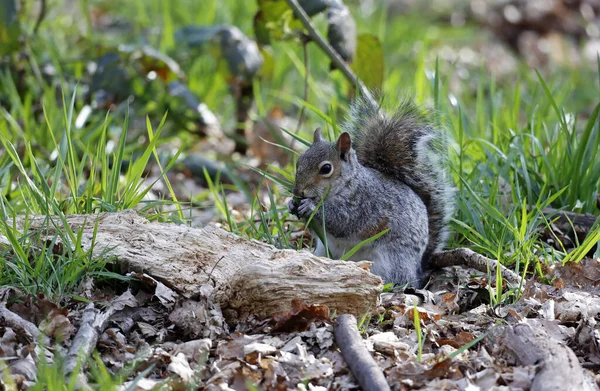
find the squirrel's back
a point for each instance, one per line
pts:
(409, 147)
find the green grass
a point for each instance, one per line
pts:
(80, 180)
(53, 376)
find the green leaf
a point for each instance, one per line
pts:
(466, 346)
(150, 59)
(267, 71)
(10, 29)
(261, 31)
(186, 98)
(279, 19)
(369, 62)
(296, 137)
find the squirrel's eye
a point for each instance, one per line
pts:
(325, 169)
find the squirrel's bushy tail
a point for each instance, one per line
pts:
(408, 146)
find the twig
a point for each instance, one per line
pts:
(93, 324)
(244, 99)
(331, 53)
(363, 367)
(21, 326)
(85, 340)
(469, 258)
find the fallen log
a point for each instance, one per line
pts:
(247, 276)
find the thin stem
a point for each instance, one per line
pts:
(331, 53)
(40, 17)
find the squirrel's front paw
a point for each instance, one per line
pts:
(293, 207)
(306, 208)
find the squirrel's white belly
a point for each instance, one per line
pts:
(338, 247)
(382, 261)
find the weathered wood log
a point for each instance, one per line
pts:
(248, 276)
(524, 345)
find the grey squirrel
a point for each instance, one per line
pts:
(384, 171)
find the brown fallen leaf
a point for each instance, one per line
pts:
(234, 347)
(430, 314)
(584, 275)
(57, 325)
(450, 303)
(460, 339)
(420, 375)
(300, 317)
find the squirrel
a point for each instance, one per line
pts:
(384, 171)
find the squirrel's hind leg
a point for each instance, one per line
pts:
(399, 265)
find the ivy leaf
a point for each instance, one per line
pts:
(111, 81)
(369, 62)
(276, 21)
(202, 113)
(341, 32)
(10, 29)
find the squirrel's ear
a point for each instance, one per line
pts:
(318, 137)
(343, 145)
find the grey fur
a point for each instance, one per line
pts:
(393, 177)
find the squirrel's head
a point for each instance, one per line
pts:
(321, 166)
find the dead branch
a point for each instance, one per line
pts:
(585, 221)
(331, 53)
(84, 341)
(556, 361)
(469, 258)
(363, 367)
(22, 327)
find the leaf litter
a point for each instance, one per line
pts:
(190, 342)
